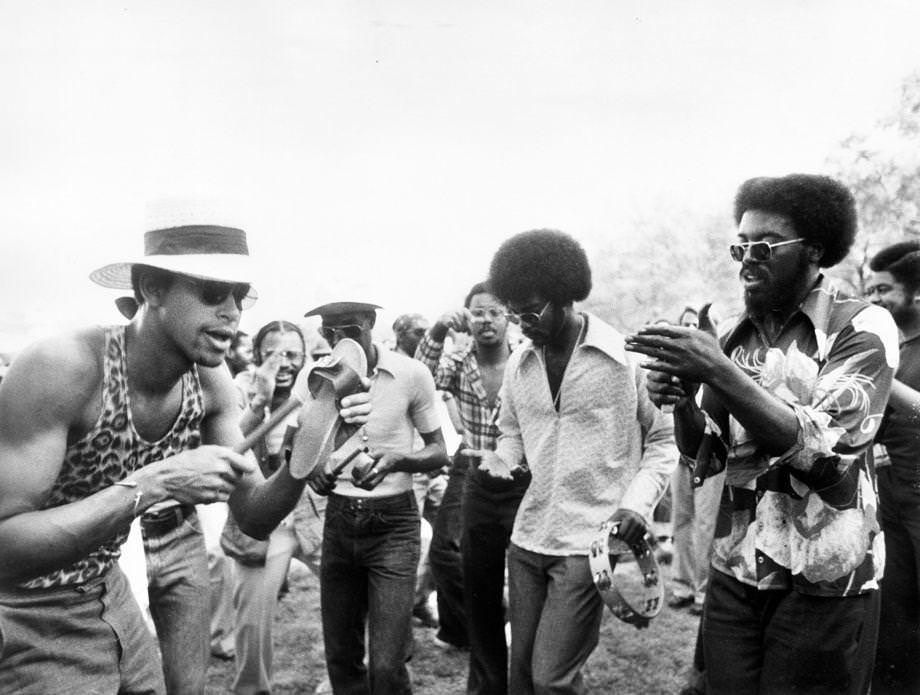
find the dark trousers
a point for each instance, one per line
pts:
(370, 556)
(897, 667)
(488, 515)
(782, 641)
(446, 561)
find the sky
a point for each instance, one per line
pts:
(381, 151)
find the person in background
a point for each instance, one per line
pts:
(370, 546)
(473, 526)
(894, 286)
(693, 518)
(408, 330)
(239, 355)
(279, 356)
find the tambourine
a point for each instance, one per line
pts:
(632, 591)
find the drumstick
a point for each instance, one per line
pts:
(348, 459)
(277, 417)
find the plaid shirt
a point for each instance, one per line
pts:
(458, 374)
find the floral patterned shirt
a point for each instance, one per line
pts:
(806, 519)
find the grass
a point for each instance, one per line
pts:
(627, 661)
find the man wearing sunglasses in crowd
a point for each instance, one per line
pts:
(474, 523)
(575, 412)
(793, 394)
(371, 532)
(104, 425)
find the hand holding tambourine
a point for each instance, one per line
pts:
(625, 573)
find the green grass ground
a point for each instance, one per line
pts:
(627, 661)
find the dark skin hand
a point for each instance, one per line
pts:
(631, 525)
(681, 358)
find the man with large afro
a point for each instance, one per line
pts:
(793, 394)
(575, 408)
(894, 285)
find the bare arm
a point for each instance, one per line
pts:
(52, 392)
(905, 400)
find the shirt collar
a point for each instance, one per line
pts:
(385, 359)
(600, 336)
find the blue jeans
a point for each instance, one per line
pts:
(369, 560)
(555, 621)
(897, 667)
(782, 641)
(179, 589)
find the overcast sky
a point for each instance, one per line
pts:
(382, 151)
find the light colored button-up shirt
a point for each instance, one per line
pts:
(606, 448)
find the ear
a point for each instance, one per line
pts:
(815, 252)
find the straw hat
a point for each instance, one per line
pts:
(188, 237)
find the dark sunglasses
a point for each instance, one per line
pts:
(530, 317)
(759, 251)
(215, 293)
(351, 331)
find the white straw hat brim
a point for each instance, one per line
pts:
(228, 267)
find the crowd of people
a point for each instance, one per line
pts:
(458, 477)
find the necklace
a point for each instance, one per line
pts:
(582, 329)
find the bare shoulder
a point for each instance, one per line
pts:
(56, 376)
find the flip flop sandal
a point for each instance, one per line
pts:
(322, 431)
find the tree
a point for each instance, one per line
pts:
(670, 260)
(882, 169)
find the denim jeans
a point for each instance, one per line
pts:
(446, 562)
(786, 642)
(897, 667)
(89, 639)
(555, 621)
(179, 589)
(369, 559)
(488, 516)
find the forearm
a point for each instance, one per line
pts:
(37, 542)
(261, 505)
(772, 422)
(430, 458)
(689, 426)
(905, 400)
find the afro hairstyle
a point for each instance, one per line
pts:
(543, 262)
(902, 260)
(821, 209)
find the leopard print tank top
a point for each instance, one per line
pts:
(111, 450)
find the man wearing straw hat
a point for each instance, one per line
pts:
(100, 426)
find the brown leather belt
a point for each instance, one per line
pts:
(159, 523)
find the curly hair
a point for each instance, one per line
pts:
(902, 260)
(543, 262)
(274, 327)
(820, 209)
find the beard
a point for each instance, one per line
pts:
(780, 292)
